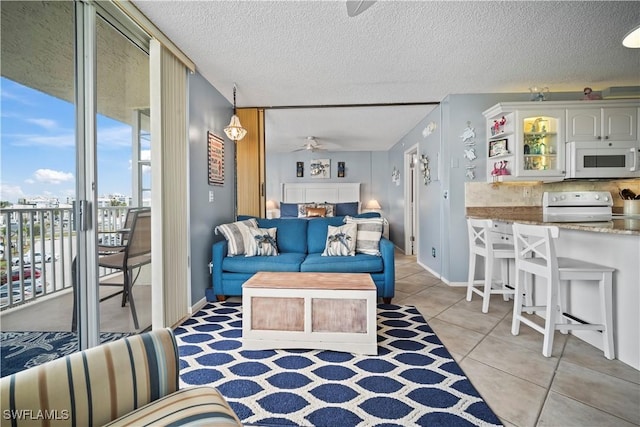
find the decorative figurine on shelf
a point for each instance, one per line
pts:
(589, 95)
(500, 168)
(496, 127)
(502, 122)
(539, 93)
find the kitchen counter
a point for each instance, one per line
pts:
(533, 215)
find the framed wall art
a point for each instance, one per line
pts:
(320, 168)
(498, 147)
(215, 159)
(341, 169)
(299, 169)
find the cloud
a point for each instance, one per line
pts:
(114, 137)
(8, 95)
(29, 181)
(10, 192)
(52, 177)
(57, 141)
(44, 123)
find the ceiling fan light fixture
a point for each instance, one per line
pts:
(632, 39)
(356, 7)
(235, 131)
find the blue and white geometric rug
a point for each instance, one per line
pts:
(22, 350)
(413, 380)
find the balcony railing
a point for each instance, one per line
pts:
(38, 247)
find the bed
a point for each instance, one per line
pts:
(311, 192)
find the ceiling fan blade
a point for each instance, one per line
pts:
(356, 7)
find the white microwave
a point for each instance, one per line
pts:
(602, 159)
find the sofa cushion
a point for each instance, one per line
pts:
(317, 232)
(360, 263)
(316, 212)
(262, 242)
(237, 234)
(292, 233)
(202, 405)
(289, 261)
(369, 234)
(341, 241)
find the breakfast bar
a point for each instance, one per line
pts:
(614, 243)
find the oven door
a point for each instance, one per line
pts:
(602, 159)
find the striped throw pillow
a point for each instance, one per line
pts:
(341, 241)
(262, 242)
(237, 235)
(369, 233)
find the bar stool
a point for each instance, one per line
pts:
(481, 244)
(536, 256)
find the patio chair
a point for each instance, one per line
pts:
(120, 235)
(136, 253)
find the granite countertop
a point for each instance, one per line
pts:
(533, 215)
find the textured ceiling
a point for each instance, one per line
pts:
(312, 53)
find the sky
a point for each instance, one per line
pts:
(38, 150)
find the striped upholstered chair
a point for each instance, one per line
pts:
(132, 381)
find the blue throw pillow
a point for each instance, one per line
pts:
(288, 210)
(367, 215)
(348, 208)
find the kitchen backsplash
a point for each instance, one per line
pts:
(483, 194)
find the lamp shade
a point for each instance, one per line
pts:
(235, 131)
(373, 204)
(271, 204)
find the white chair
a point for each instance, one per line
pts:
(481, 244)
(536, 256)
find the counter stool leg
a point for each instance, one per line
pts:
(505, 278)
(517, 304)
(564, 284)
(550, 322)
(488, 277)
(471, 275)
(607, 313)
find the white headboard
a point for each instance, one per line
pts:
(331, 192)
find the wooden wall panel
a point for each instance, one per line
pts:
(250, 166)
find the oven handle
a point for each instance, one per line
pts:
(635, 159)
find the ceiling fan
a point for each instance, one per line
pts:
(311, 145)
(356, 7)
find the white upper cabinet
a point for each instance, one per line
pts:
(606, 123)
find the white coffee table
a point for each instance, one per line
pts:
(324, 311)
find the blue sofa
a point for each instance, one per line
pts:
(300, 245)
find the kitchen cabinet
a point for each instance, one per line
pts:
(525, 142)
(532, 141)
(594, 123)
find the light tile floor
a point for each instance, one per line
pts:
(577, 386)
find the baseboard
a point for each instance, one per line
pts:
(442, 279)
(197, 306)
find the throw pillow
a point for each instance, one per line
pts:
(329, 208)
(236, 233)
(369, 233)
(262, 242)
(347, 208)
(341, 241)
(302, 209)
(288, 210)
(316, 212)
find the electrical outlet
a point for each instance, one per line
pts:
(433, 252)
(210, 196)
(526, 192)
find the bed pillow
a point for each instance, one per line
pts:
(302, 209)
(316, 212)
(348, 208)
(262, 242)
(329, 208)
(341, 241)
(288, 210)
(237, 235)
(368, 235)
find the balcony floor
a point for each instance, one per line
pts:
(52, 314)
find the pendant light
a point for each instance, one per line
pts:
(235, 131)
